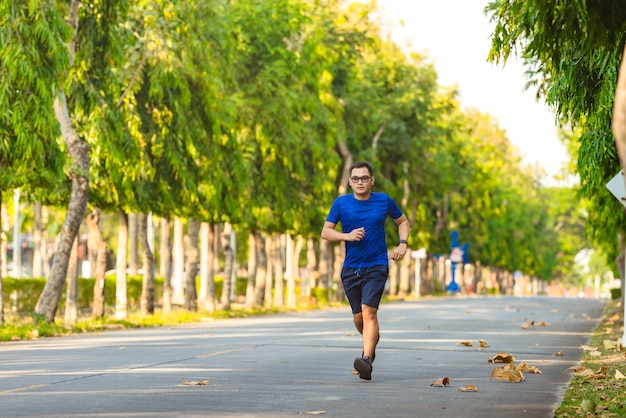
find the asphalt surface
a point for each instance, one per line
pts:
(301, 364)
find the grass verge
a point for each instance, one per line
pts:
(32, 327)
(599, 390)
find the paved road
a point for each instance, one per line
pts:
(301, 364)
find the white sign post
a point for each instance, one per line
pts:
(617, 186)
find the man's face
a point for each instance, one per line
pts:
(361, 181)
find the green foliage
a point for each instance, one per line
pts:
(33, 55)
(573, 50)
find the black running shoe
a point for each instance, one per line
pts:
(364, 367)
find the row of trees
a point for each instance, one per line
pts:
(248, 114)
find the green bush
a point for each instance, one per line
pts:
(20, 295)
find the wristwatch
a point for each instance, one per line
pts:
(402, 241)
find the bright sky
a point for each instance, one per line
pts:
(455, 36)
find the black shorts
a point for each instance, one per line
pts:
(364, 285)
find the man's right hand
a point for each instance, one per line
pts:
(356, 234)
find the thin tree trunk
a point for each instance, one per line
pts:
(121, 284)
(133, 237)
(292, 268)
(300, 243)
(260, 279)
(229, 265)
(1, 276)
(310, 280)
(325, 277)
(206, 297)
(339, 256)
(71, 290)
(178, 263)
(96, 241)
(279, 269)
(146, 303)
(252, 266)
(405, 276)
(270, 247)
(4, 244)
(191, 271)
(166, 263)
(37, 242)
(393, 279)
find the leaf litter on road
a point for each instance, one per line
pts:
(441, 382)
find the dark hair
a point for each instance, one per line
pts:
(361, 164)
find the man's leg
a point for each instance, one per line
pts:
(370, 330)
(358, 322)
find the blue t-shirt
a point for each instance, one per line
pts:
(370, 214)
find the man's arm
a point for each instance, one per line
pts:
(331, 234)
(404, 227)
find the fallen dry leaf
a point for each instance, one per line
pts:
(441, 382)
(595, 353)
(502, 357)
(483, 343)
(619, 375)
(613, 345)
(507, 373)
(587, 373)
(523, 367)
(465, 343)
(195, 382)
(468, 388)
(587, 348)
(542, 324)
(528, 325)
(558, 354)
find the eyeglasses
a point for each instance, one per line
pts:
(363, 179)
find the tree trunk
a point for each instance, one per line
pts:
(78, 151)
(339, 256)
(326, 258)
(1, 259)
(133, 260)
(166, 263)
(252, 266)
(206, 297)
(272, 244)
(191, 271)
(405, 275)
(260, 279)
(309, 279)
(37, 242)
(618, 121)
(121, 284)
(229, 266)
(290, 250)
(278, 269)
(394, 274)
(96, 241)
(146, 302)
(4, 244)
(71, 290)
(296, 265)
(178, 263)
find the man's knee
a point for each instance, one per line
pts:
(369, 312)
